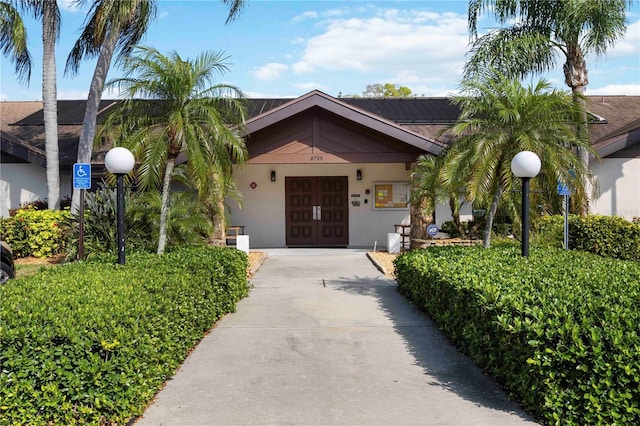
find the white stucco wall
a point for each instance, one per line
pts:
(443, 213)
(23, 183)
(619, 182)
(263, 209)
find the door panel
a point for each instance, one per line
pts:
(317, 211)
(300, 223)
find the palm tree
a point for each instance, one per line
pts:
(430, 188)
(500, 118)
(184, 112)
(13, 40)
(112, 27)
(542, 29)
(50, 14)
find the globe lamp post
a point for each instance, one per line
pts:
(525, 165)
(120, 162)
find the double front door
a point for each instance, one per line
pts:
(317, 211)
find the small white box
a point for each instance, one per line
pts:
(242, 243)
(394, 241)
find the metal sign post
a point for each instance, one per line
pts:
(81, 181)
(564, 190)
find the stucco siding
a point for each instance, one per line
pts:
(619, 182)
(22, 183)
(263, 208)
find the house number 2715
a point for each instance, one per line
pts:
(316, 158)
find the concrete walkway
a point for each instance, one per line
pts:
(325, 339)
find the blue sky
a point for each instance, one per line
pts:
(288, 48)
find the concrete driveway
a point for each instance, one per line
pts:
(325, 339)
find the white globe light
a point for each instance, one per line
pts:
(526, 164)
(119, 161)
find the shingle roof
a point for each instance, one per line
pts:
(22, 130)
(70, 112)
(398, 110)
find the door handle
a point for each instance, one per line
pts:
(319, 213)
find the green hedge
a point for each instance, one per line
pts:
(559, 330)
(36, 233)
(607, 236)
(92, 342)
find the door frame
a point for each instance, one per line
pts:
(317, 201)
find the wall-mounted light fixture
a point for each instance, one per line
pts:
(359, 174)
(273, 175)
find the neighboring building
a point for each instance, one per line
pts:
(326, 171)
(615, 136)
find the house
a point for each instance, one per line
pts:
(326, 171)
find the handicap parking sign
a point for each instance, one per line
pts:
(563, 189)
(81, 176)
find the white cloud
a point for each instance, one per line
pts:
(615, 89)
(310, 86)
(73, 94)
(304, 16)
(629, 45)
(163, 15)
(270, 71)
(420, 46)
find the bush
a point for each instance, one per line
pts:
(607, 236)
(472, 229)
(559, 329)
(41, 205)
(92, 342)
(186, 222)
(39, 233)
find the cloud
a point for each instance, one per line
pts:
(629, 45)
(73, 94)
(310, 86)
(615, 89)
(428, 46)
(270, 71)
(304, 16)
(163, 15)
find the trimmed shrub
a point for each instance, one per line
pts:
(38, 233)
(559, 329)
(92, 342)
(607, 236)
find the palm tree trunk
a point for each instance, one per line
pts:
(491, 214)
(455, 215)
(576, 77)
(85, 145)
(50, 103)
(583, 153)
(164, 206)
(219, 237)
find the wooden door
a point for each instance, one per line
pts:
(317, 211)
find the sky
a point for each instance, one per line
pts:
(288, 48)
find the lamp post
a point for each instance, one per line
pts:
(120, 162)
(525, 165)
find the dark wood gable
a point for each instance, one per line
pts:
(317, 136)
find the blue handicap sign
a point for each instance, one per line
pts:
(563, 189)
(81, 176)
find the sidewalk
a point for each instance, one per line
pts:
(324, 338)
